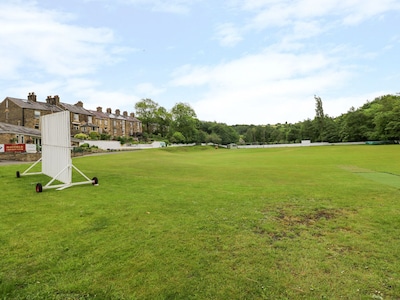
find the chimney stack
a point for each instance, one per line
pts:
(32, 97)
(125, 114)
(56, 100)
(79, 104)
(53, 100)
(117, 112)
(99, 109)
(109, 110)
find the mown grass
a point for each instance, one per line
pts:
(200, 223)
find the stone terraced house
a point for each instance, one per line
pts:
(27, 113)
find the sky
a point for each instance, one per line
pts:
(233, 61)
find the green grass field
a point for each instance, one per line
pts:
(200, 223)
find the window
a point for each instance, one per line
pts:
(76, 117)
(20, 139)
(37, 141)
(89, 119)
(37, 114)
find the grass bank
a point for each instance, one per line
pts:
(200, 223)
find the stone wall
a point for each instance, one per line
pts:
(28, 157)
(30, 120)
(20, 156)
(10, 113)
(5, 138)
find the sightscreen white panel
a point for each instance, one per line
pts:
(56, 146)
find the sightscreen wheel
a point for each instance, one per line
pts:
(18, 174)
(39, 188)
(95, 181)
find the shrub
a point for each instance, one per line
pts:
(81, 136)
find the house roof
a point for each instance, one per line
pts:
(15, 129)
(132, 119)
(76, 109)
(99, 114)
(24, 103)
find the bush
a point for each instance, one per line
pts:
(77, 149)
(105, 137)
(81, 136)
(94, 135)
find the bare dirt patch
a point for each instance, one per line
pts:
(288, 219)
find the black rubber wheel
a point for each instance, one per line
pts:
(95, 181)
(18, 175)
(39, 188)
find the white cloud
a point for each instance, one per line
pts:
(34, 40)
(228, 34)
(273, 102)
(168, 6)
(263, 88)
(314, 14)
(251, 69)
(333, 106)
(148, 90)
(107, 99)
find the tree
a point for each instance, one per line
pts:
(162, 120)
(146, 111)
(387, 121)
(214, 138)
(355, 126)
(227, 134)
(260, 134)
(307, 130)
(177, 137)
(184, 121)
(250, 136)
(293, 134)
(319, 118)
(331, 132)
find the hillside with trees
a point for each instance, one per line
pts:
(377, 120)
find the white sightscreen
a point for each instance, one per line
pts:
(56, 146)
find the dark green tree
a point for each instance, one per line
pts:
(307, 130)
(354, 126)
(293, 134)
(319, 119)
(250, 136)
(259, 134)
(162, 120)
(387, 119)
(146, 111)
(226, 133)
(184, 120)
(331, 132)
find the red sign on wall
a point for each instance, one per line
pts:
(14, 148)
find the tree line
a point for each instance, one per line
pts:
(377, 120)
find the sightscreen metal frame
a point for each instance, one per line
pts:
(56, 153)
